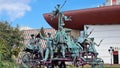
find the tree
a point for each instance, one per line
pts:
(10, 42)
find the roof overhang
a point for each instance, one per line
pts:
(92, 16)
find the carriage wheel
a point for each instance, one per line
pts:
(26, 60)
(62, 64)
(79, 63)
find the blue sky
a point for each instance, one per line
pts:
(30, 12)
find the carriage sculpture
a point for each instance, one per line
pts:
(61, 48)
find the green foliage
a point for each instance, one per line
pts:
(5, 57)
(6, 64)
(15, 51)
(11, 35)
(4, 52)
(10, 44)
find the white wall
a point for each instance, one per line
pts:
(119, 55)
(111, 36)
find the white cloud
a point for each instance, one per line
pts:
(14, 8)
(25, 28)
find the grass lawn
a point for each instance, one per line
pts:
(89, 67)
(105, 66)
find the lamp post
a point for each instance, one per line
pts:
(111, 53)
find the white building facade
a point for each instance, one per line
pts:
(111, 38)
(111, 2)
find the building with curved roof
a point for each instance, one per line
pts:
(104, 15)
(92, 16)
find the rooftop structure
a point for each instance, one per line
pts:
(91, 16)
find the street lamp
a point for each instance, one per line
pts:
(111, 53)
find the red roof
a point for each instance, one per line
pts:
(100, 16)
